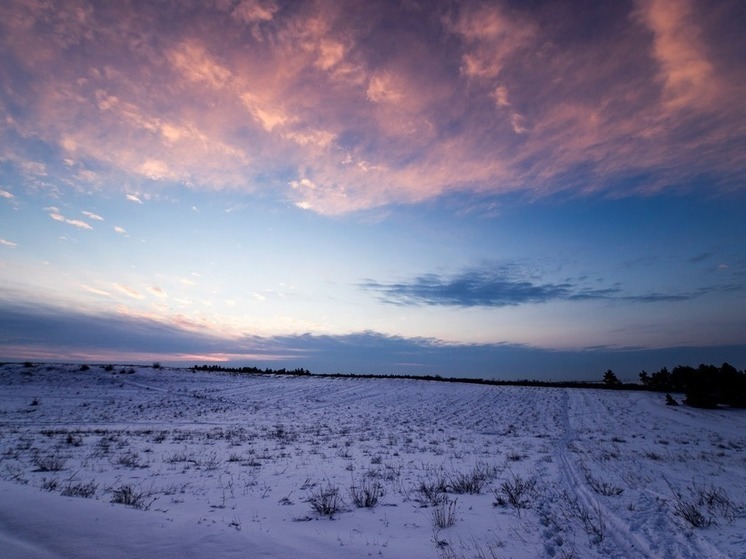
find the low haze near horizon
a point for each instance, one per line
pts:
(496, 189)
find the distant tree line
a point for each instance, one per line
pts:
(251, 370)
(707, 386)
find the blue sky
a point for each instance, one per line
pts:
(495, 189)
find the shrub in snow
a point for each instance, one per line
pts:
(703, 504)
(692, 514)
(432, 491)
(74, 440)
(366, 493)
(85, 490)
(604, 488)
(127, 495)
(325, 500)
(49, 484)
(516, 492)
(129, 460)
(472, 481)
(53, 462)
(210, 462)
(444, 515)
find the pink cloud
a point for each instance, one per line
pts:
(490, 35)
(687, 74)
(377, 103)
(251, 11)
(197, 65)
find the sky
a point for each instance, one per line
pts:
(505, 189)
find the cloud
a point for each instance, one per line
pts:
(251, 11)
(133, 198)
(96, 291)
(74, 222)
(29, 329)
(701, 257)
(9, 244)
(78, 223)
(156, 170)
(490, 35)
(64, 328)
(687, 74)
(120, 230)
(376, 104)
(93, 216)
(507, 285)
(193, 61)
(5, 194)
(485, 287)
(130, 291)
(157, 291)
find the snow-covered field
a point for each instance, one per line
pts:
(171, 463)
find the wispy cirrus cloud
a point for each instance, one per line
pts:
(7, 243)
(379, 103)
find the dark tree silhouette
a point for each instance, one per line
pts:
(610, 379)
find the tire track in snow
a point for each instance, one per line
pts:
(645, 527)
(615, 530)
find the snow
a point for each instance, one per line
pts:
(225, 465)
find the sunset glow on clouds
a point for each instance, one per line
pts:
(456, 172)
